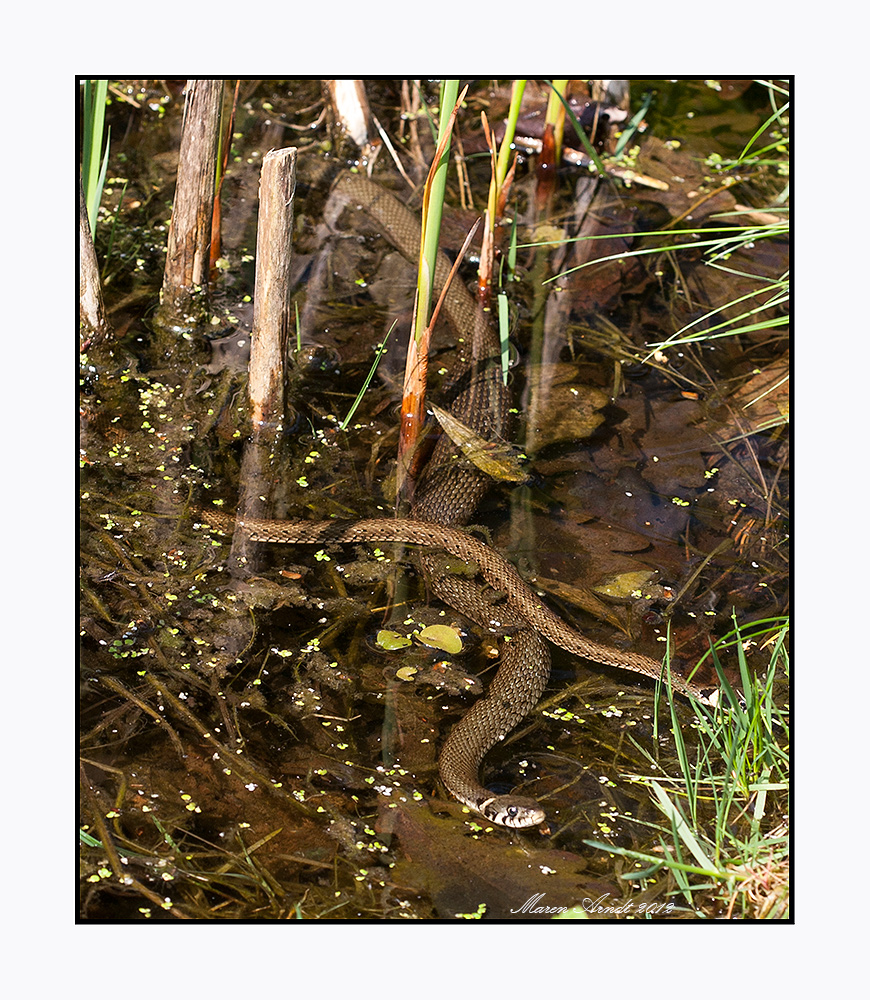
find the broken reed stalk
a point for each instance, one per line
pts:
(556, 116)
(93, 325)
(184, 298)
(499, 185)
(228, 117)
(350, 107)
(551, 147)
(414, 388)
(272, 307)
(269, 349)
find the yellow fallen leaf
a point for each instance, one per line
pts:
(441, 637)
(623, 585)
(388, 639)
(496, 458)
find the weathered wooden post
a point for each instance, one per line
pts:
(269, 348)
(93, 325)
(350, 107)
(184, 298)
(272, 307)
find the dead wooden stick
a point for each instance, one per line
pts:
(93, 325)
(269, 350)
(272, 307)
(351, 109)
(184, 299)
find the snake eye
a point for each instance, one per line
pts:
(513, 811)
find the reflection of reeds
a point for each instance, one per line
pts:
(764, 308)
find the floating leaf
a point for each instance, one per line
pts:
(560, 409)
(581, 597)
(406, 673)
(441, 637)
(623, 585)
(496, 458)
(387, 639)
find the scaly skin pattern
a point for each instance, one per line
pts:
(446, 497)
(515, 691)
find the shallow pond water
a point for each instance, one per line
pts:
(248, 748)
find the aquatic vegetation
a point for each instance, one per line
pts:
(249, 748)
(725, 839)
(95, 156)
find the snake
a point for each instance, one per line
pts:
(446, 497)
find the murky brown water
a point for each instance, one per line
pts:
(249, 749)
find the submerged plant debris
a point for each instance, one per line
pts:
(260, 741)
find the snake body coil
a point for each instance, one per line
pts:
(515, 690)
(446, 497)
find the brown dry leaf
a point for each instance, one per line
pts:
(688, 182)
(496, 459)
(567, 412)
(672, 437)
(763, 402)
(581, 597)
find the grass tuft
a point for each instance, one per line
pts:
(724, 836)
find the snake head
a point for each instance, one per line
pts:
(513, 811)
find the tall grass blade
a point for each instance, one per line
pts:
(775, 117)
(433, 207)
(93, 166)
(417, 360)
(629, 131)
(678, 821)
(504, 153)
(381, 348)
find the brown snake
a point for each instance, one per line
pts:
(447, 496)
(515, 691)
